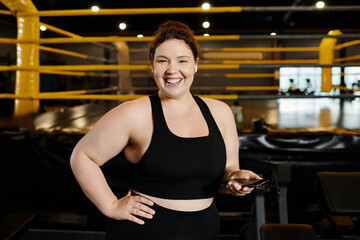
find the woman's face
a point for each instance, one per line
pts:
(174, 68)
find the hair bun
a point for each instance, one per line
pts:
(173, 30)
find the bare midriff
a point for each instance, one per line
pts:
(188, 205)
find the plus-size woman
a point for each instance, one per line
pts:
(181, 148)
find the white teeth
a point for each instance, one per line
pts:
(173, 81)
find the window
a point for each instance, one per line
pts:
(306, 79)
(352, 77)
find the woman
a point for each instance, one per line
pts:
(181, 147)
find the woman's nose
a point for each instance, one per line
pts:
(171, 69)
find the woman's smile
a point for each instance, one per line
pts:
(172, 82)
(174, 68)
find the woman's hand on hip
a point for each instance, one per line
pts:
(131, 207)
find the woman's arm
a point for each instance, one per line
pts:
(106, 139)
(225, 120)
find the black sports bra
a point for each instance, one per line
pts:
(174, 167)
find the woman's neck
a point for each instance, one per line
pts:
(181, 101)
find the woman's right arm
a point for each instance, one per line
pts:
(106, 139)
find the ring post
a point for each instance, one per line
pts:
(326, 56)
(27, 55)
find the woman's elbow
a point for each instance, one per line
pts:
(76, 158)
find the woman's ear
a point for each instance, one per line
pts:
(196, 63)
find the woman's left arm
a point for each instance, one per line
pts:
(226, 122)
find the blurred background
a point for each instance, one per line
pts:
(289, 70)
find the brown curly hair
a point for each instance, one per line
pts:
(173, 30)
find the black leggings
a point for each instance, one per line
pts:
(169, 224)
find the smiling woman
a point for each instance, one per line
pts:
(174, 67)
(181, 148)
(174, 55)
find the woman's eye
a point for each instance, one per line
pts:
(161, 60)
(182, 61)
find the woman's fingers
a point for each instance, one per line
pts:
(139, 208)
(237, 189)
(134, 219)
(142, 210)
(142, 204)
(139, 212)
(237, 193)
(247, 189)
(132, 207)
(144, 200)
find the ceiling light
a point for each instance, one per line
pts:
(140, 36)
(205, 6)
(42, 28)
(273, 34)
(206, 24)
(122, 26)
(95, 8)
(320, 4)
(206, 35)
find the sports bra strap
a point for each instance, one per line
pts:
(159, 117)
(207, 115)
(157, 112)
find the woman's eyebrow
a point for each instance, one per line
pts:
(182, 56)
(160, 56)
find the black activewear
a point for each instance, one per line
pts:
(175, 167)
(168, 224)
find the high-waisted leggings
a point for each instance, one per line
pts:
(168, 224)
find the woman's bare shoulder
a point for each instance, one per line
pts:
(133, 107)
(216, 105)
(220, 110)
(130, 112)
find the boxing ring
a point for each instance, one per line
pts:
(29, 44)
(320, 128)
